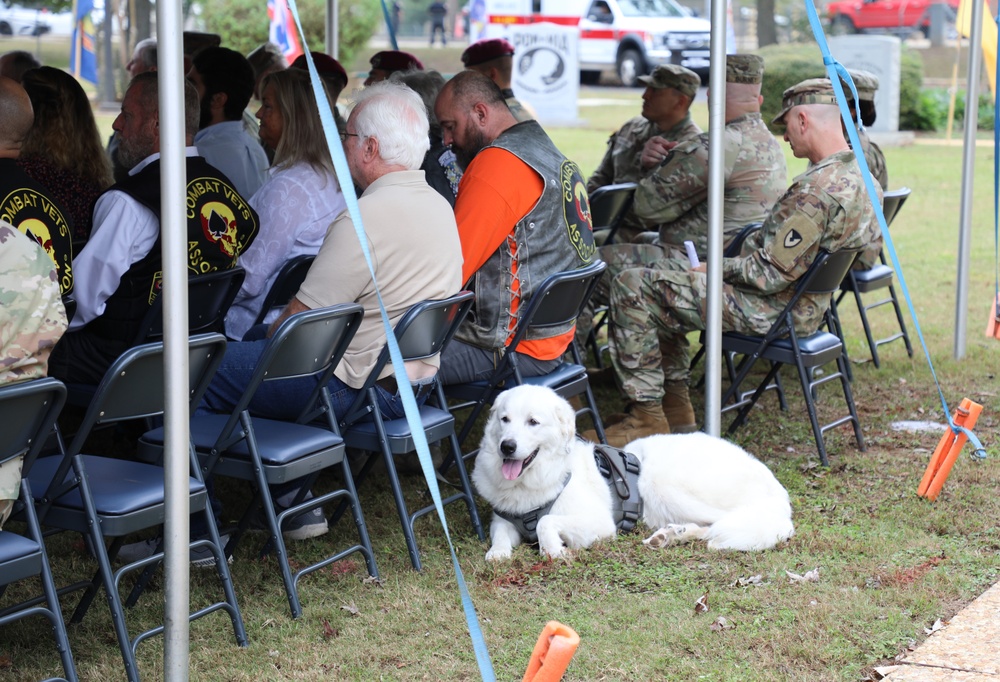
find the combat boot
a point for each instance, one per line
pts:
(644, 419)
(677, 407)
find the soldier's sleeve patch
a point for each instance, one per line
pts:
(796, 236)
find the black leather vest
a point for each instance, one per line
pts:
(220, 226)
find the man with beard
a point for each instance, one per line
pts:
(522, 214)
(224, 81)
(118, 272)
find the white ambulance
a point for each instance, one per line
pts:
(629, 36)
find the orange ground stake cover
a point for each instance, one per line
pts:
(993, 323)
(948, 450)
(553, 651)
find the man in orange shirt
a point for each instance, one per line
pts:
(522, 214)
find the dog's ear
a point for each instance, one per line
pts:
(565, 416)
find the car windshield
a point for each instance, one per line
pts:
(651, 8)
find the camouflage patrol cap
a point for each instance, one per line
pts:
(744, 68)
(673, 76)
(866, 82)
(811, 91)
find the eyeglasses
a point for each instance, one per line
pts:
(344, 136)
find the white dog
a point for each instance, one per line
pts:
(693, 486)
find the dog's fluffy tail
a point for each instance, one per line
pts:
(761, 525)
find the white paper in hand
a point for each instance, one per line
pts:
(692, 254)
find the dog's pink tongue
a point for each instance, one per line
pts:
(512, 468)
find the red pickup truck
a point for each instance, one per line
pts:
(892, 16)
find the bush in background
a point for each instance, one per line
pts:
(243, 24)
(786, 65)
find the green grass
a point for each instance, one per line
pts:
(890, 563)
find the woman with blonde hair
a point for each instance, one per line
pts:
(297, 202)
(63, 150)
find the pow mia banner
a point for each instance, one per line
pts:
(546, 69)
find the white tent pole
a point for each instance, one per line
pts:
(968, 173)
(173, 227)
(333, 28)
(716, 185)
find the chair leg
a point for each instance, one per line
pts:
(807, 395)
(359, 519)
(852, 408)
(397, 494)
(833, 324)
(595, 416)
(899, 318)
(105, 577)
(863, 313)
(54, 610)
(470, 499)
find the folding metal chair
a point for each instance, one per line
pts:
(879, 276)
(209, 298)
(557, 302)
(424, 331)
(286, 284)
(28, 411)
(782, 345)
(608, 206)
(109, 498)
(266, 452)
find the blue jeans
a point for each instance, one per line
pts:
(284, 398)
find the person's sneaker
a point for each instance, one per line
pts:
(201, 557)
(307, 525)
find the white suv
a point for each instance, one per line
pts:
(20, 21)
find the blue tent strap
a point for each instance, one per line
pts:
(837, 72)
(996, 195)
(406, 393)
(389, 27)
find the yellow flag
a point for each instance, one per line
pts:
(963, 22)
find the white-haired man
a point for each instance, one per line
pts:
(416, 254)
(412, 237)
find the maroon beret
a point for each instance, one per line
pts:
(394, 60)
(486, 50)
(325, 65)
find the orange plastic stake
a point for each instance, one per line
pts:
(993, 323)
(948, 449)
(553, 651)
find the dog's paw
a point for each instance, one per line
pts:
(497, 554)
(663, 537)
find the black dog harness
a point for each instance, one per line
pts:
(620, 470)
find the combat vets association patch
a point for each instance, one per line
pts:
(796, 236)
(576, 210)
(35, 215)
(220, 211)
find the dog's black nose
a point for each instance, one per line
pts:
(508, 447)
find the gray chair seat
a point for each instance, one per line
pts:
(120, 487)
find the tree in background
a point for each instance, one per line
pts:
(243, 24)
(767, 33)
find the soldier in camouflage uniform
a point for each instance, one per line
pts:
(665, 119)
(652, 309)
(674, 196)
(32, 319)
(494, 58)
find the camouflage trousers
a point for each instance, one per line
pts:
(653, 309)
(619, 257)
